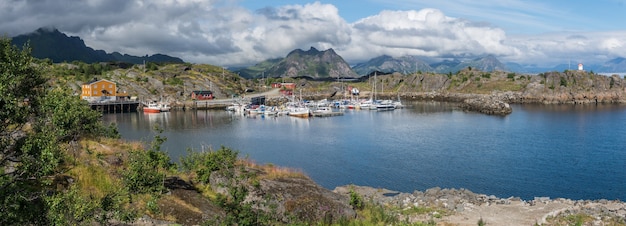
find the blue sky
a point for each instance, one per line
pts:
(245, 32)
(527, 17)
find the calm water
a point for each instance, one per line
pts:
(568, 151)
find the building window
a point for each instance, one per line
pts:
(110, 86)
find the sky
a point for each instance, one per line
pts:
(244, 32)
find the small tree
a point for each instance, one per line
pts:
(34, 123)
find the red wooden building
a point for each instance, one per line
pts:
(201, 95)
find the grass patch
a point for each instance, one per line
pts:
(270, 171)
(574, 219)
(93, 180)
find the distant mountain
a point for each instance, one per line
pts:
(532, 68)
(617, 65)
(58, 47)
(411, 64)
(446, 66)
(487, 63)
(258, 70)
(299, 63)
(388, 64)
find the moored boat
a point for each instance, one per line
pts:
(152, 107)
(300, 112)
(164, 107)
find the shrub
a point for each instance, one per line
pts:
(356, 201)
(146, 170)
(563, 82)
(481, 222)
(203, 163)
(174, 81)
(511, 75)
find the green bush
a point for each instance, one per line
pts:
(510, 76)
(36, 122)
(204, 163)
(70, 208)
(356, 201)
(563, 82)
(174, 81)
(147, 169)
(142, 174)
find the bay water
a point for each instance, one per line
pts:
(567, 151)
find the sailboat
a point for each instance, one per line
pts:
(384, 105)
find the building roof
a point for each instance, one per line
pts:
(201, 92)
(94, 80)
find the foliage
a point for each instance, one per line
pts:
(481, 222)
(71, 117)
(73, 208)
(563, 82)
(237, 212)
(511, 76)
(35, 122)
(356, 201)
(151, 66)
(70, 208)
(147, 169)
(21, 179)
(204, 163)
(174, 81)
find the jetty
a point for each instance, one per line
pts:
(115, 106)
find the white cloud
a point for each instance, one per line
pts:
(560, 48)
(223, 33)
(427, 32)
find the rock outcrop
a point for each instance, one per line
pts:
(284, 198)
(487, 105)
(464, 207)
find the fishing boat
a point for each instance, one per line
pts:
(151, 107)
(300, 112)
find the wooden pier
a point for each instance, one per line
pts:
(209, 104)
(115, 107)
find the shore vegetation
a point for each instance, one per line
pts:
(61, 165)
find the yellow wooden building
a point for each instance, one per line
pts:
(99, 90)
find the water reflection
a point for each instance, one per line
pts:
(538, 150)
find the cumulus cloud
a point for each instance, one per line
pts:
(223, 33)
(563, 47)
(427, 32)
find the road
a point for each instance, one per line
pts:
(216, 103)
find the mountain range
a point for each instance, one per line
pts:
(57, 46)
(52, 44)
(299, 63)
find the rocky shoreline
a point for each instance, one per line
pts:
(464, 207)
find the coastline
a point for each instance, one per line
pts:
(464, 207)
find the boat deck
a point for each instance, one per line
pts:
(326, 114)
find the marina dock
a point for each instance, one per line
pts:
(115, 107)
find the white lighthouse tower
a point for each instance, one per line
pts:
(580, 66)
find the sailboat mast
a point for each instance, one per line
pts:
(374, 85)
